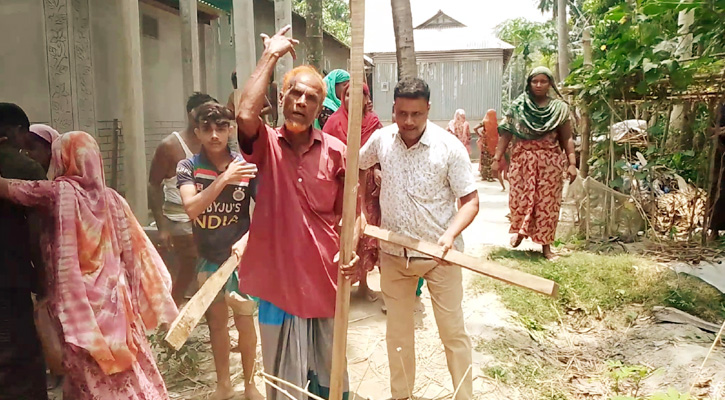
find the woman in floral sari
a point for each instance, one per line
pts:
(106, 282)
(541, 127)
(337, 124)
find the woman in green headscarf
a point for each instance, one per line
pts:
(336, 81)
(540, 128)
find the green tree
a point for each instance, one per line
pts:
(335, 17)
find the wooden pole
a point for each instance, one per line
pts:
(190, 66)
(244, 39)
(282, 18)
(349, 204)
(475, 264)
(134, 136)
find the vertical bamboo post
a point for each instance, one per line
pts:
(349, 205)
(114, 155)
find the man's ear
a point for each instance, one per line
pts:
(429, 106)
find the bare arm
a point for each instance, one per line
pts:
(566, 142)
(465, 215)
(503, 143)
(159, 169)
(195, 203)
(253, 95)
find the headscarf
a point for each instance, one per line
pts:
(529, 121)
(45, 132)
(110, 278)
(460, 127)
(490, 126)
(333, 78)
(337, 124)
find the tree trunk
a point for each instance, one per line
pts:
(314, 34)
(683, 50)
(563, 28)
(586, 116)
(404, 46)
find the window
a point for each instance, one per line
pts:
(149, 26)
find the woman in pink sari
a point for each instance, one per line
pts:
(106, 282)
(460, 128)
(337, 125)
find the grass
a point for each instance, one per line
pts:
(599, 283)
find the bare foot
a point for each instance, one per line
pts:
(364, 292)
(516, 240)
(419, 307)
(223, 392)
(548, 254)
(251, 392)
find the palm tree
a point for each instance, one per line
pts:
(404, 45)
(314, 34)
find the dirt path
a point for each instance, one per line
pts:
(567, 358)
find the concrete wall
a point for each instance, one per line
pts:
(23, 64)
(24, 71)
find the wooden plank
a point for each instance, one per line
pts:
(349, 203)
(669, 314)
(192, 312)
(475, 264)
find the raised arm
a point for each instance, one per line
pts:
(253, 95)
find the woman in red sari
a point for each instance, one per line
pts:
(336, 126)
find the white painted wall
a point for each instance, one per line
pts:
(23, 58)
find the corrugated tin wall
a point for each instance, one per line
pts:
(473, 85)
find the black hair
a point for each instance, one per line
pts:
(412, 88)
(212, 112)
(11, 115)
(234, 79)
(197, 99)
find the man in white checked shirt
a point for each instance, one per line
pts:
(425, 171)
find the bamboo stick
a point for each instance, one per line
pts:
(304, 391)
(349, 205)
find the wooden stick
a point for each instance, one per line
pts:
(190, 315)
(714, 343)
(484, 267)
(279, 389)
(455, 393)
(349, 204)
(291, 385)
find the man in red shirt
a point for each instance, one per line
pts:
(289, 263)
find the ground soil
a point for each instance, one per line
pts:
(572, 353)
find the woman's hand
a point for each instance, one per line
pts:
(494, 165)
(572, 172)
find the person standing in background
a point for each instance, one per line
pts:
(175, 232)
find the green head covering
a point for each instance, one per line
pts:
(333, 78)
(529, 121)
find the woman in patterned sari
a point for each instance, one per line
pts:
(367, 248)
(106, 283)
(540, 127)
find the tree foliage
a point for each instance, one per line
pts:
(634, 59)
(335, 17)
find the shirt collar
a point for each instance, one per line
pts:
(424, 139)
(204, 159)
(315, 134)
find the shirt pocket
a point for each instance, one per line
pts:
(426, 185)
(322, 193)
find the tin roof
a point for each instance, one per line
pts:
(438, 33)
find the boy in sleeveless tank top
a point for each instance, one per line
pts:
(165, 201)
